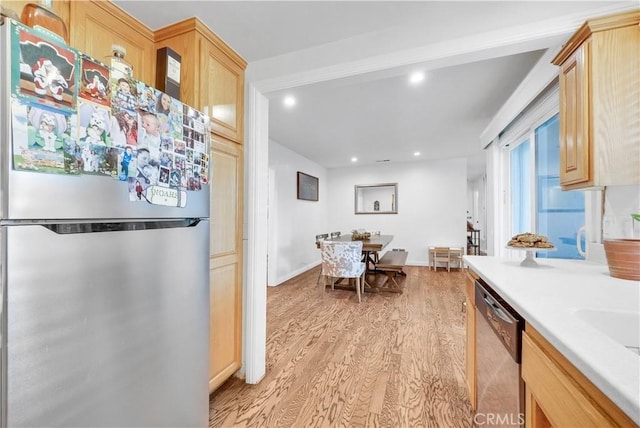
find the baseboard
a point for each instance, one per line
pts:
(301, 270)
(294, 273)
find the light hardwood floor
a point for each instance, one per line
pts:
(394, 360)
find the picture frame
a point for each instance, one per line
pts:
(376, 198)
(307, 187)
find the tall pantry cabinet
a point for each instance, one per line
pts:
(212, 80)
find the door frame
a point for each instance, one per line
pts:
(477, 47)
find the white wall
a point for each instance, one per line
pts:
(293, 223)
(431, 204)
(620, 202)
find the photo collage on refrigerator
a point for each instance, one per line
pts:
(72, 114)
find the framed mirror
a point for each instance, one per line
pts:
(377, 198)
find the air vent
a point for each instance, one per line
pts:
(384, 160)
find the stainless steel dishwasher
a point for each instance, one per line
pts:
(498, 351)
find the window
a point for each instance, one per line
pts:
(520, 165)
(559, 213)
(537, 203)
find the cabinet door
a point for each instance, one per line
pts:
(225, 280)
(98, 24)
(558, 394)
(59, 7)
(470, 348)
(575, 162)
(222, 92)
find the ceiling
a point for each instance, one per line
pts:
(378, 115)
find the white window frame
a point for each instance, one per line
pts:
(508, 144)
(593, 198)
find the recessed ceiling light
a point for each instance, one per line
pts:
(289, 101)
(416, 153)
(416, 77)
(354, 159)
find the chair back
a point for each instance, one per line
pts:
(335, 235)
(456, 253)
(342, 259)
(455, 256)
(441, 253)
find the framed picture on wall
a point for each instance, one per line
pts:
(307, 187)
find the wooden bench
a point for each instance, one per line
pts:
(392, 264)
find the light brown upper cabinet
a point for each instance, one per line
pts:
(59, 7)
(600, 103)
(97, 25)
(212, 75)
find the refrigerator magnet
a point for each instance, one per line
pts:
(147, 97)
(40, 139)
(124, 94)
(43, 70)
(94, 81)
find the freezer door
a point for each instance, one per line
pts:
(35, 196)
(107, 329)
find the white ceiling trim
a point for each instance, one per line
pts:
(540, 76)
(488, 45)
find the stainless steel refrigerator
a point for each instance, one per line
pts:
(105, 302)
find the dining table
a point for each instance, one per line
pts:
(370, 248)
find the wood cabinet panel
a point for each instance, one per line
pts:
(223, 89)
(96, 25)
(59, 7)
(227, 170)
(226, 260)
(183, 41)
(213, 72)
(600, 103)
(224, 349)
(470, 343)
(616, 105)
(558, 394)
(574, 153)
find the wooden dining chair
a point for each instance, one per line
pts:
(342, 260)
(335, 235)
(455, 256)
(442, 255)
(320, 238)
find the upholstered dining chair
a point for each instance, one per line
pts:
(318, 239)
(442, 255)
(342, 260)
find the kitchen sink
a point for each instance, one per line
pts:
(621, 326)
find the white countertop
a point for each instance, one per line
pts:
(547, 297)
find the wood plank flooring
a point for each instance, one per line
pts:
(394, 360)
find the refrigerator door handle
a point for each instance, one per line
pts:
(121, 226)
